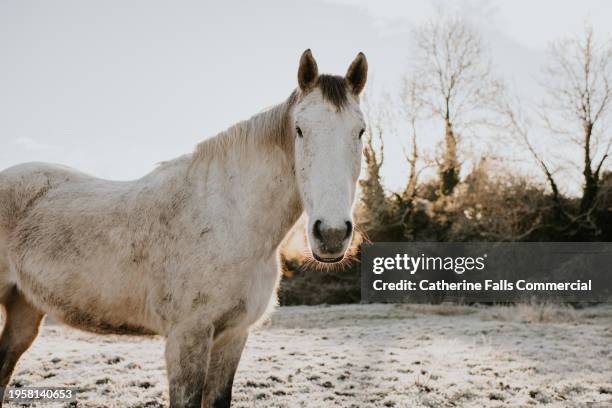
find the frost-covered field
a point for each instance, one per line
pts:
(362, 356)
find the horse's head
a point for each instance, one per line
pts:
(328, 126)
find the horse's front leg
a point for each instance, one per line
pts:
(224, 361)
(188, 348)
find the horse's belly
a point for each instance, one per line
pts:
(86, 305)
(84, 320)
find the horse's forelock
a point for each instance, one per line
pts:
(334, 90)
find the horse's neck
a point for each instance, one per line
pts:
(252, 191)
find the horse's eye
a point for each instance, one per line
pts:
(361, 132)
(299, 131)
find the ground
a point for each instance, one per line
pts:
(362, 356)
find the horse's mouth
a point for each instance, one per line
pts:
(327, 260)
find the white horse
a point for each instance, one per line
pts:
(190, 251)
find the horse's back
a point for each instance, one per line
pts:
(57, 240)
(37, 199)
(23, 185)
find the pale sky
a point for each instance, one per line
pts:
(114, 87)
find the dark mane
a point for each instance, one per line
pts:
(334, 89)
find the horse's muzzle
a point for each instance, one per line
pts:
(330, 243)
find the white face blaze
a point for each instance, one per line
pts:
(328, 150)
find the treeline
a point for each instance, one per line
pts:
(451, 85)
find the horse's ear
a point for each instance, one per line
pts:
(308, 71)
(357, 74)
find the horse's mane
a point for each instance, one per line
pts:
(271, 127)
(267, 129)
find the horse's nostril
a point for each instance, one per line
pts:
(349, 229)
(316, 230)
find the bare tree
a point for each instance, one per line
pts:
(372, 190)
(457, 84)
(578, 89)
(413, 109)
(519, 126)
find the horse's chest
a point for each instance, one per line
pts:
(262, 294)
(257, 297)
(232, 297)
